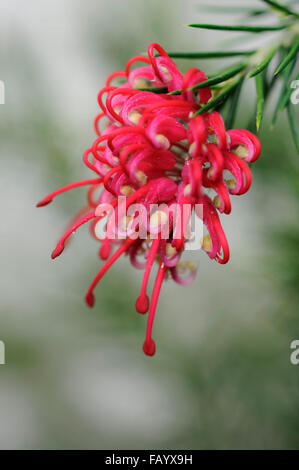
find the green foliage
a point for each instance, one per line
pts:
(209, 54)
(254, 63)
(290, 57)
(260, 91)
(248, 28)
(264, 63)
(257, 64)
(281, 8)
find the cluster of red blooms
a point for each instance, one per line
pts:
(155, 149)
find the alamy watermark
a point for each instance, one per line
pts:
(142, 221)
(294, 357)
(2, 92)
(295, 93)
(2, 353)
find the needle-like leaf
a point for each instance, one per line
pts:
(260, 100)
(284, 88)
(219, 99)
(229, 122)
(161, 89)
(251, 29)
(231, 72)
(175, 92)
(290, 56)
(265, 62)
(209, 55)
(283, 8)
(293, 126)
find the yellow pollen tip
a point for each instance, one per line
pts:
(242, 151)
(187, 190)
(206, 243)
(158, 218)
(231, 184)
(142, 178)
(217, 202)
(141, 83)
(192, 149)
(170, 250)
(134, 117)
(161, 139)
(166, 73)
(126, 190)
(210, 172)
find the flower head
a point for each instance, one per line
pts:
(156, 150)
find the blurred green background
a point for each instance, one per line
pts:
(76, 378)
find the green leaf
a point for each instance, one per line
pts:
(283, 8)
(251, 29)
(229, 122)
(293, 127)
(281, 94)
(290, 56)
(260, 100)
(209, 55)
(161, 89)
(265, 62)
(214, 102)
(176, 92)
(231, 72)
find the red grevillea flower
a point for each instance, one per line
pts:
(155, 149)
